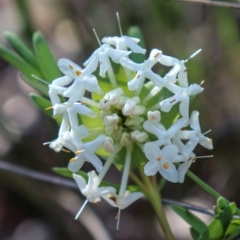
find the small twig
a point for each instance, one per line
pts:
(211, 3)
(188, 206)
(14, 168)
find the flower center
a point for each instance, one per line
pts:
(159, 158)
(123, 117)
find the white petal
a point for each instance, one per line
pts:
(62, 81)
(179, 124)
(94, 160)
(151, 168)
(90, 83)
(155, 78)
(169, 152)
(194, 89)
(129, 64)
(169, 172)
(167, 60)
(182, 169)
(132, 197)
(130, 43)
(94, 145)
(104, 64)
(189, 146)
(81, 182)
(166, 105)
(206, 142)
(172, 75)
(184, 107)
(74, 166)
(69, 68)
(116, 55)
(103, 191)
(194, 121)
(185, 134)
(136, 81)
(182, 76)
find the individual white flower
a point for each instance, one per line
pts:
(154, 116)
(164, 136)
(161, 160)
(122, 202)
(178, 71)
(194, 136)
(82, 79)
(101, 57)
(182, 95)
(143, 70)
(57, 87)
(108, 144)
(123, 43)
(84, 151)
(58, 143)
(91, 190)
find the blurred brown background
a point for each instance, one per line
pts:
(33, 210)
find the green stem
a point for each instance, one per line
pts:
(151, 192)
(206, 187)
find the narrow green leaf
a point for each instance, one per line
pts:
(45, 58)
(33, 82)
(66, 173)
(17, 62)
(195, 235)
(21, 48)
(196, 223)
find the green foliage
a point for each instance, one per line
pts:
(40, 63)
(45, 59)
(198, 225)
(222, 226)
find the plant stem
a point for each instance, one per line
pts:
(151, 192)
(206, 187)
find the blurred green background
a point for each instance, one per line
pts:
(30, 209)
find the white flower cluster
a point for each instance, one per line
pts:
(123, 119)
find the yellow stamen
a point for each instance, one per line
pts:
(65, 150)
(202, 82)
(159, 158)
(78, 72)
(210, 140)
(165, 165)
(49, 108)
(156, 54)
(79, 151)
(72, 160)
(70, 66)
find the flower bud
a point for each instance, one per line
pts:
(108, 144)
